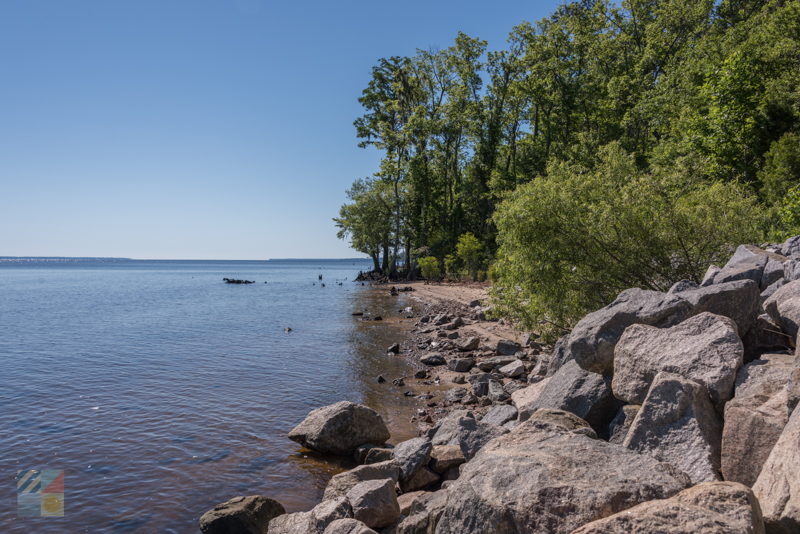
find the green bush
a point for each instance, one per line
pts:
(468, 250)
(781, 168)
(789, 212)
(571, 241)
(451, 266)
(429, 267)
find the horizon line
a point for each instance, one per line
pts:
(120, 258)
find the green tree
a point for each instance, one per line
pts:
(571, 241)
(469, 251)
(429, 267)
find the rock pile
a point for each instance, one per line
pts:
(666, 412)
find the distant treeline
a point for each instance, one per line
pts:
(605, 146)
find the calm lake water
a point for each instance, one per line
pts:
(161, 391)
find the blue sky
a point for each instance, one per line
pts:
(198, 129)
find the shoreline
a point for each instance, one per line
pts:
(435, 302)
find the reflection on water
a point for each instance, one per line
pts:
(161, 391)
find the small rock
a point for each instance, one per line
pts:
(455, 395)
(513, 369)
(380, 379)
(433, 359)
(469, 344)
(506, 347)
(460, 365)
(394, 348)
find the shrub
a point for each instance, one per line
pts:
(429, 267)
(571, 241)
(451, 266)
(468, 250)
(781, 168)
(789, 212)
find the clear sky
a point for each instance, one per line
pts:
(199, 129)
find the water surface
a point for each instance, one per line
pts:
(161, 391)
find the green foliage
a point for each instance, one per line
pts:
(789, 212)
(451, 266)
(781, 169)
(608, 145)
(571, 241)
(429, 267)
(468, 250)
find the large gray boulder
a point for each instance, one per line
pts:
(526, 399)
(791, 269)
(315, 521)
(708, 508)
(540, 478)
(747, 263)
(374, 503)
(773, 272)
(586, 394)
(340, 428)
(591, 342)
(241, 515)
(784, 308)
(340, 484)
(677, 424)
(500, 414)
(791, 247)
(558, 357)
(410, 455)
(423, 515)
(755, 416)
(778, 485)
(704, 348)
(466, 432)
(737, 300)
(348, 526)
